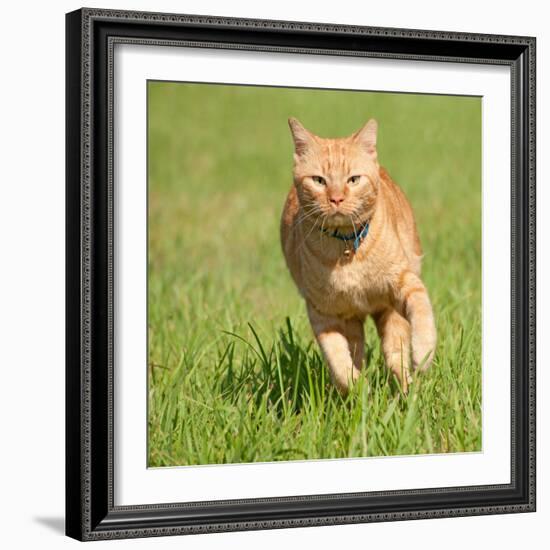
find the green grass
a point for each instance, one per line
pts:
(234, 373)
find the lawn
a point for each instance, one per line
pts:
(234, 374)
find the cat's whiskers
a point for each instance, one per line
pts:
(309, 233)
(308, 214)
(358, 220)
(324, 217)
(353, 225)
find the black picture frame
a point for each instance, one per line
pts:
(90, 510)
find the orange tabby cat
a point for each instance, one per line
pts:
(351, 245)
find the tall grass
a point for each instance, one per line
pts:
(234, 374)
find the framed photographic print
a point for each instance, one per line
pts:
(300, 274)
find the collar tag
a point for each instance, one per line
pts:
(356, 238)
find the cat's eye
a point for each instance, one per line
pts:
(354, 180)
(319, 180)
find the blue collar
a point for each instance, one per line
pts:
(356, 238)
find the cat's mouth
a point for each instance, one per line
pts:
(339, 219)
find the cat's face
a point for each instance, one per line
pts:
(336, 179)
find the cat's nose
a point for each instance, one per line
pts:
(336, 200)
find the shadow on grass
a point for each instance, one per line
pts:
(287, 375)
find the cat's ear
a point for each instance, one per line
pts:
(303, 138)
(366, 137)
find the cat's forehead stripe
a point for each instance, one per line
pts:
(334, 153)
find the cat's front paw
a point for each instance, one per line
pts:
(423, 350)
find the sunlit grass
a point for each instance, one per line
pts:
(234, 373)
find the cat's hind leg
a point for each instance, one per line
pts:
(342, 343)
(395, 338)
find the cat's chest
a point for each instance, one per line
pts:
(347, 287)
(348, 277)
